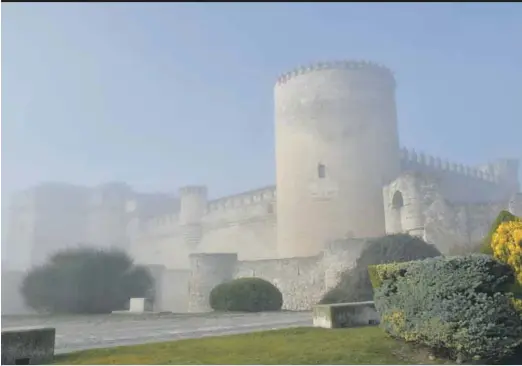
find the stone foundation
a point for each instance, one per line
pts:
(28, 346)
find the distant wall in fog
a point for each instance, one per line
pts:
(12, 300)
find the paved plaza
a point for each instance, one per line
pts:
(74, 333)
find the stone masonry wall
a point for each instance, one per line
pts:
(418, 204)
(300, 280)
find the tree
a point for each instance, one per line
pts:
(86, 280)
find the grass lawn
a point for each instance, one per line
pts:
(367, 345)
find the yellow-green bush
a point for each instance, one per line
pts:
(503, 216)
(506, 245)
(457, 305)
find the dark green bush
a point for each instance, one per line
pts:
(247, 294)
(456, 305)
(355, 285)
(86, 280)
(503, 216)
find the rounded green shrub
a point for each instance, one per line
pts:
(248, 294)
(355, 284)
(86, 280)
(457, 306)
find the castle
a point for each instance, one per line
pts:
(341, 177)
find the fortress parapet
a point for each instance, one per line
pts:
(193, 199)
(266, 194)
(359, 65)
(193, 190)
(162, 221)
(413, 159)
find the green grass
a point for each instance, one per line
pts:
(367, 345)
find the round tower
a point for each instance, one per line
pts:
(207, 271)
(336, 146)
(193, 205)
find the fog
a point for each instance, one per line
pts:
(153, 127)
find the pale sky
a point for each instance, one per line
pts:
(161, 95)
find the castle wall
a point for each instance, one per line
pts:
(175, 291)
(300, 280)
(12, 300)
(208, 271)
(416, 204)
(162, 246)
(338, 256)
(464, 183)
(244, 224)
(336, 143)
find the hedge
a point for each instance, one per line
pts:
(247, 294)
(456, 305)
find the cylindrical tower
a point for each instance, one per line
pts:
(207, 271)
(336, 146)
(193, 205)
(193, 202)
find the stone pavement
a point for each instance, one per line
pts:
(74, 333)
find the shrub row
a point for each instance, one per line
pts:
(451, 304)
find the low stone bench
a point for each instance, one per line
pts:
(140, 305)
(345, 315)
(28, 346)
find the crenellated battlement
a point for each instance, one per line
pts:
(412, 157)
(159, 224)
(199, 190)
(337, 65)
(266, 194)
(164, 223)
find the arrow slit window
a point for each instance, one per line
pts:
(321, 170)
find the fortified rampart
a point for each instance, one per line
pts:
(338, 163)
(337, 145)
(493, 182)
(246, 223)
(417, 203)
(301, 280)
(340, 173)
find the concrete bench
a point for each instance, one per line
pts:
(140, 305)
(28, 346)
(345, 315)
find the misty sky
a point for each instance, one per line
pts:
(162, 95)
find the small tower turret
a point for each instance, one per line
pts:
(193, 205)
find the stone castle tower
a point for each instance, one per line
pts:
(193, 205)
(337, 144)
